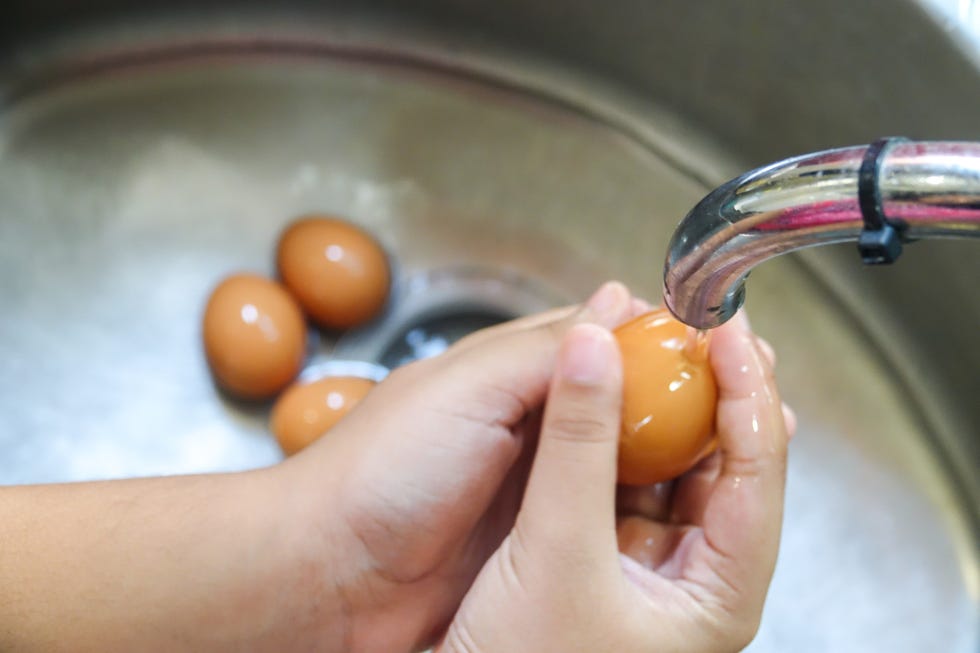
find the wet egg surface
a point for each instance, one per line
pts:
(308, 410)
(254, 336)
(669, 399)
(337, 271)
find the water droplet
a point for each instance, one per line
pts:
(696, 345)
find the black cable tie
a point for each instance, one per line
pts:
(880, 242)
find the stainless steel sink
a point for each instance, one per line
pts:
(144, 154)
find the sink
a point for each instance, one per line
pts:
(144, 155)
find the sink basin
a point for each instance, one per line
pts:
(145, 155)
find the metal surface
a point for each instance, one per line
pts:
(931, 188)
(433, 308)
(126, 192)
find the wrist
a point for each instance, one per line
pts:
(311, 567)
(363, 603)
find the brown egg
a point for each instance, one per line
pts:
(254, 336)
(308, 410)
(669, 399)
(337, 272)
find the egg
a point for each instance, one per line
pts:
(669, 399)
(308, 410)
(338, 272)
(254, 336)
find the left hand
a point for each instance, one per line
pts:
(407, 497)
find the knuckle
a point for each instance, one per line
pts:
(744, 466)
(581, 427)
(556, 329)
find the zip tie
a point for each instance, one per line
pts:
(880, 242)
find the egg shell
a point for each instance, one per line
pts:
(308, 410)
(254, 336)
(337, 271)
(669, 400)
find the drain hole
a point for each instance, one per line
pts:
(432, 309)
(434, 333)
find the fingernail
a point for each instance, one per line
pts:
(608, 298)
(586, 354)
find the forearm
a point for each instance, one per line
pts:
(179, 563)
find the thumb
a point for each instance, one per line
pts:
(570, 497)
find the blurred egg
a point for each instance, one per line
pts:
(669, 399)
(337, 271)
(254, 336)
(308, 410)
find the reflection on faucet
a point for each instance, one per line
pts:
(928, 189)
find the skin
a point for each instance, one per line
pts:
(417, 515)
(717, 528)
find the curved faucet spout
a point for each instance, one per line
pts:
(927, 189)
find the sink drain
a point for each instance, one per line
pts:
(433, 309)
(434, 334)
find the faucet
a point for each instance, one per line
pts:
(882, 196)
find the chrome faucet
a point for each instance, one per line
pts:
(881, 195)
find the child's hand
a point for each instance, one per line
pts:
(368, 541)
(558, 583)
(406, 499)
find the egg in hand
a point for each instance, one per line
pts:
(669, 399)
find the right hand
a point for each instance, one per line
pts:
(558, 583)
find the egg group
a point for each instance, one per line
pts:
(669, 399)
(254, 329)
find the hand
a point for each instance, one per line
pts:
(557, 581)
(404, 501)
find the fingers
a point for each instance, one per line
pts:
(649, 543)
(694, 489)
(789, 419)
(639, 306)
(636, 308)
(742, 516)
(505, 376)
(650, 501)
(570, 497)
(767, 351)
(519, 324)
